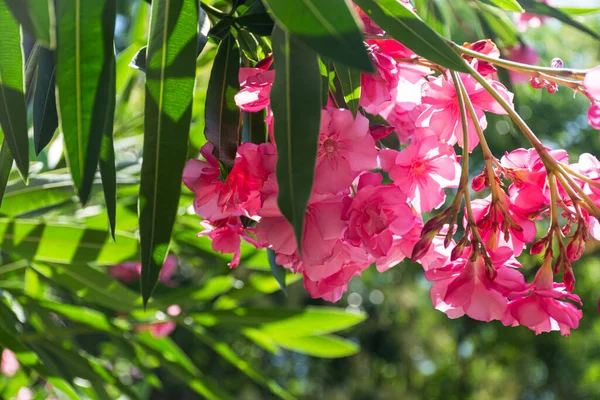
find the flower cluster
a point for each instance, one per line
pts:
(368, 200)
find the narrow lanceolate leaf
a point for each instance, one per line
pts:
(6, 161)
(407, 28)
(532, 6)
(349, 79)
(64, 244)
(328, 27)
(509, 5)
(108, 171)
(171, 67)
(37, 18)
(222, 116)
(277, 270)
(45, 118)
(296, 102)
(13, 113)
(85, 48)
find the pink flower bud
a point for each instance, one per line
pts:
(575, 249)
(556, 63)
(458, 250)
(538, 246)
(479, 182)
(569, 279)
(552, 88)
(380, 131)
(422, 247)
(537, 83)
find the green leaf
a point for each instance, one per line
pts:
(221, 114)
(349, 79)
(171, 68)
(248, 43)
(283, 322)
(577, 11)
(84, 57)
(91, 285)
(533, 7)
(296, 103)
(258, 23)
(45, 118)
(37, 18)
(13, 113)
(20, 199)
(407, 28)
(328, 27)
(108, 171)
(224, 350)
(177, 362)
(277, 270)
(509, 5)
(498, 26)
(319, 346)
(6, 162)
(211, 289)
(256, 125)
(63, 243)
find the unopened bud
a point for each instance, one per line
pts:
(479, 182)
(380, 131)
(566, 229)
(569, 279)
(538, 246)
(422, 247)
(458, 250)
(556, 63)
(552, 88)
(490, 271)
(575, 249)
(265, 63)
(537, 83)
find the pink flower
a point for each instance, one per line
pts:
(527, 20)
(422, 170)
(10, 365)
(463, 287)
(158, 329)
(346, 149)
(591, 82)
(543, 310)
(443, 116)
(126, 272)
(256, 88)
(225, 235)
(346, 262)
(525, 55)
(240, 193)
(379, 89)
(376, 215)
(168, 269)
(594, 115)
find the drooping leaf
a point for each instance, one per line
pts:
(38, 18)
(319, 346)
(328, 27)
(277, 270)
(108, 171)
(534, 7)
(249, 45)
(64, 244)
(296, 103)
(509, 5)
(171, 67)
(31, 68)
(83, 66)
(13, 114)
(407, 28)
(6, 162)
(311, 321)
(222, 115)
(498, 26)
(91, 285)
(349, 79)
(45, 118)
